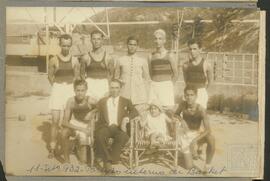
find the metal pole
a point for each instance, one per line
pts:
(47, 38)
(253, 68)
(243, 69)
(108, 25)
(178, 33)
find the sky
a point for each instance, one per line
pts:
(78, 14)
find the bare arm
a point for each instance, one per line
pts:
(111, 66)
(92, 106)
(168, 120)
(84, 61)
(67, 117)
(206, 128)
(185, 72)
(51, 70)
(209, 74)
(117, 71)
(76, 68)
(149, 65)
(145, 68)
(174, 67)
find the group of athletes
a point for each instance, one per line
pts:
(121, 89)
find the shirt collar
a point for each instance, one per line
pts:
(116, 98)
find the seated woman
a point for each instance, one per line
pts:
(156, 125)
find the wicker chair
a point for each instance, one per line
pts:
(167, 152)
(128, 151)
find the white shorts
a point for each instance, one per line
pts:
(202, 97)
(186, 139)
(97, 88)
(163, 92)
(60, 93)
(83, 138)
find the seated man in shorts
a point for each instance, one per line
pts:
(196, 129)
(78, 119)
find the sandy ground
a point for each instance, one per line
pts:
(26, 145)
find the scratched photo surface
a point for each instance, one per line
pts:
(136, 91)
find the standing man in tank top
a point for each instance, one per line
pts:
(197, 72)
(62, 70)
(163, 71)
(97, 67)
(78, 120)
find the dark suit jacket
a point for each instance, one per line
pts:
(125, 109)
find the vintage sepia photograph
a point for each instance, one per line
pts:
(134, 91)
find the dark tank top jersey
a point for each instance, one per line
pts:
(97, 70)
(195, 75)
(193, 120)
(79, 111)
(64, 73)
(161, 66)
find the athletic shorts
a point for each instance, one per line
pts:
(97, 88)
(60, 93)
(83, 138)
(186, 139)
(163, 92)
(202, 97)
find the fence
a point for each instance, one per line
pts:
(229, 68)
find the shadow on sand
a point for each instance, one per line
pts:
(45, 129)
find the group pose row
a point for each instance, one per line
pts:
(124, 88)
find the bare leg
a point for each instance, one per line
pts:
(82, 154)
(188, 160)
(210, 149)
(66, 133)
(54, 131)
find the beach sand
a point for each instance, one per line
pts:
(27, 145)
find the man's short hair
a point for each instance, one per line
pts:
(132, 38)
(195, 41)
(78, 82)
(96, 32)
(65, 37)
(190, 87)
(120, 82)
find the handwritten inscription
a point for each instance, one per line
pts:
(70, 168)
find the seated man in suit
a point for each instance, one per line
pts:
(115, 114)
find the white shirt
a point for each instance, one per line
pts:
(112, 107)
